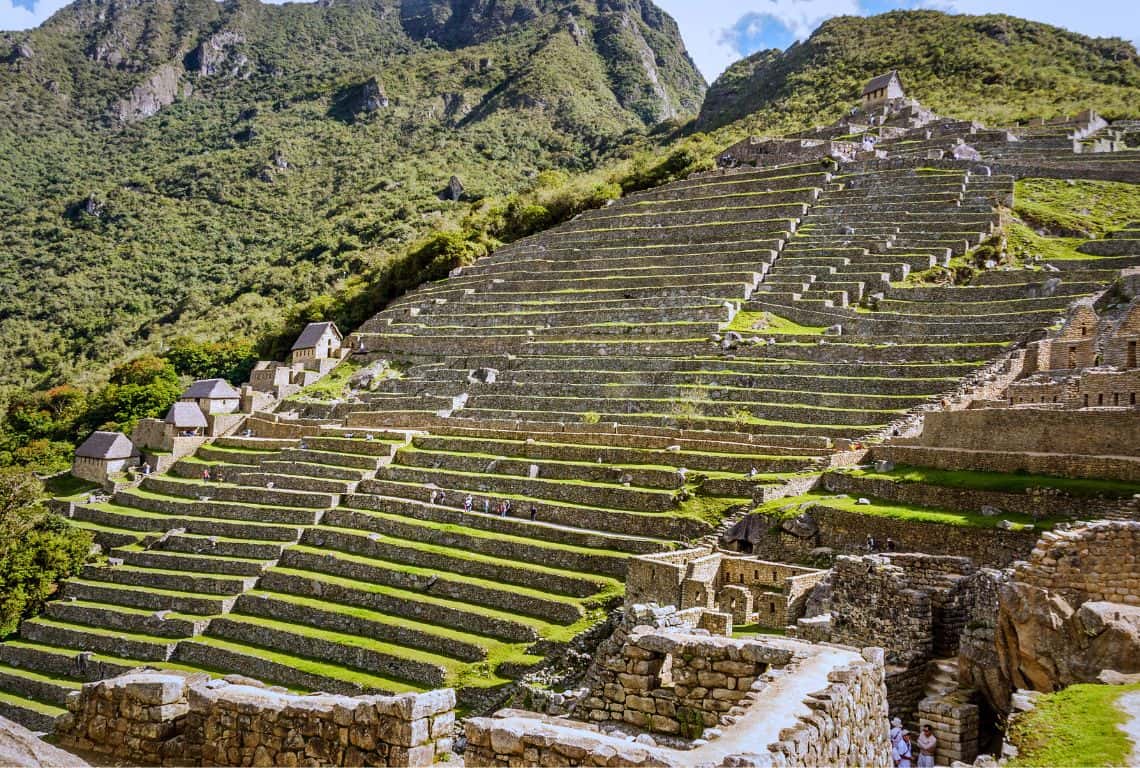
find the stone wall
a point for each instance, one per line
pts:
(847, 532)
(152, 718)
(750, 589)
(874, 603)
(677, 683)
(1088, 433)
(953, 719)
(842, 719)
(1090, 563)
(1040, 503)
(1063, 617)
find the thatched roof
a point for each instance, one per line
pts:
(211, 389)
(313, 333)
(107, 446)
(882, 81)
(186, 415)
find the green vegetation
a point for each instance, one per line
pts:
(1077, 726)
(755, 630)
(37, 548)
(1079, 209)
(998, 69)
(1003, 482)
(794, 505)
(272, 196)
(766, 322)
(334, 385)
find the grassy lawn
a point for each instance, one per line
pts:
(68, 487)
(766, 322)
(754, 630)
(1076, 726)
(907, 512)
(332, 386)
(1095, 207)
(1003, 482)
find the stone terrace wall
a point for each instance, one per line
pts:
(150, 718)
(1091, 563)
(1093, 433)
(846, 533)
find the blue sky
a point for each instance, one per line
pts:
(718, 32)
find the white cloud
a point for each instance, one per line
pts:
(703, 22)
(14, 16)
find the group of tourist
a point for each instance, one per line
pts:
(502, 508)
(907, 752)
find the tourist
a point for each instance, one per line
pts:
(890, 544)
(927, 744)
(146, 468)
(486, 505)
(506, 507)
(206, 475)
(468, 503)
(533, 512)
(752, 473)
(896, 731)
(871, 544)
(681, 473)
(218, 476)
(903, 752)
(432, 497)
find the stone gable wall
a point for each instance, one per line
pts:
(150, 718)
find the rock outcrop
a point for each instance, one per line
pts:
(146, 99)
(20, 748)
(1065, 616)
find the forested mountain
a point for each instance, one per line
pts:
(183, 166)
(993, 68)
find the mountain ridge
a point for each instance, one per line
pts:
(994, 68)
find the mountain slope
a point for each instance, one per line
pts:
(994, 68)
(180, 166)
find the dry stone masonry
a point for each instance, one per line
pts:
(152, 718)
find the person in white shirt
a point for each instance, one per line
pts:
(927, 744)
(896, 731)
(903, 753)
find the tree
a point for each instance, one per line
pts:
(37, 549)
(142, 388)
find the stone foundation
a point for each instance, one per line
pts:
(151, 718)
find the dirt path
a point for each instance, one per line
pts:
(1129, 703)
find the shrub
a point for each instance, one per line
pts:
(37, 548)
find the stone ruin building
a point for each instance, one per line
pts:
(721, 398)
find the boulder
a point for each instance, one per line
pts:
(21, 748)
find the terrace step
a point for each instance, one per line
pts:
(146, 597)
(278, 667)
(26, 683)
(33, 715)
(115, 643)
(114, 617)
(362, 653)
(363, 622)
